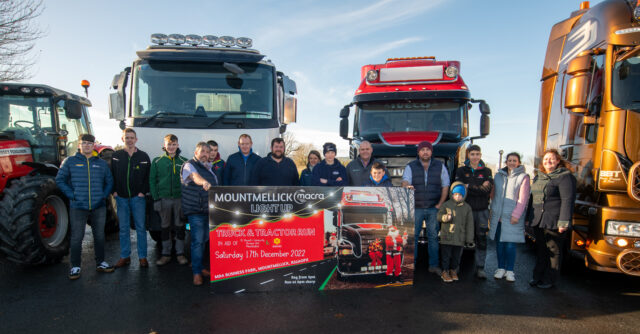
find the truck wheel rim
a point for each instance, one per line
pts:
(53, 221)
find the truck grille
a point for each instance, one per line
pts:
(629, 262)
(633, 187)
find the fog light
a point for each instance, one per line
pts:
(372, 75)
(159, 39)
(622, 242)
(227, 41)
(244, 42)
(193, 40)
(210, 40)
(176, 39)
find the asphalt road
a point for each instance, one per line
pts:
(163, 300)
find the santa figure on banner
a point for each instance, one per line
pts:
(375, 253)
(405, 237)
(333, 241)
(394, 245)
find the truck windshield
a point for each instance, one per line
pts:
(626, 80)
(374, 118)
(203, 90)
(364, 218)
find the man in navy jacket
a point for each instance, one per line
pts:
(239, 167)
(86, 180)
(275, 169)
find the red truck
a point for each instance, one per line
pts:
(408, 100)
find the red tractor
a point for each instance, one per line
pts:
(39, 127)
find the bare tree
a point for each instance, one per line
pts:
(300, 155)
(290, 143)
(17, 37)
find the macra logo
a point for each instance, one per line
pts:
(301, 196)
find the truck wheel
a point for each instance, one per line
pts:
(112, 224)
(35, 225)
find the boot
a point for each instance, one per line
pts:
(453, 274)
(446, 277)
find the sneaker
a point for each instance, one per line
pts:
(123, 262)
(435, 270)
(480, 273)
(182, 260)
(74, 273)
(104, 267)
(445, 276)
(163, 260)
(453, 274)
(511, 276)
(499, 274)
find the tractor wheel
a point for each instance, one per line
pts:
(34, 228)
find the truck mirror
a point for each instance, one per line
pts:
(579, 64)
(576, 95)
(344, 112)
(484, 125)
(484, 108)
(116, 106)
(289, 85)
(73, 109)
(344, 127)
(290, 109)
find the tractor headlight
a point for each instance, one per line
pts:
(623, 228)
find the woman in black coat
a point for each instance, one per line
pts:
(553, 195)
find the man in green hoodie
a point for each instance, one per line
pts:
(165, 186)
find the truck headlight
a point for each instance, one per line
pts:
(623, 228)
(372, 75)
(346, 251)
(451, 71)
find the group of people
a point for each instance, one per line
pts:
(499, 208)
(479, 206)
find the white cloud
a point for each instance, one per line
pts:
(343, 23)
(362, 55)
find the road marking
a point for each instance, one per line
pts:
(303, 269)
(265, 282)
(239, 291)
(285, 275)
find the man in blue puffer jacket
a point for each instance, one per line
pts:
(86, 180)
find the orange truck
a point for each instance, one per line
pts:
(590, 112)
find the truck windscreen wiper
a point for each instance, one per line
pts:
(226, 113)
(161, 113)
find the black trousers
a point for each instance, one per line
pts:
(549, 244)
(450, 256)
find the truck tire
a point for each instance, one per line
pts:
(34, 228)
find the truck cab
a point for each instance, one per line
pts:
(408, 100)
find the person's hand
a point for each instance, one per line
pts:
(408, 186)
(438, 206)
(115, 194)
(486, 184)
(140, 195)
(206, 186)
(339, 179)
(323, 181)
(562, 229)
(514, 220)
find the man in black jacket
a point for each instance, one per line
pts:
(479, 183)
(275, 169)
(130, 168)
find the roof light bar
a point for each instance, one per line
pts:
(411, 58)
(197, 40)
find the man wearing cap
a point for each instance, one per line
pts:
(359, 169)
(430, 180)
(329, 172)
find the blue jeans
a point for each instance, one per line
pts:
(199, 225)
(506, 252)
(433, 227)
(78, 221)
(127, 207)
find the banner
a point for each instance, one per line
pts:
(275, 238)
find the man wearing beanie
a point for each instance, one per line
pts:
(329, 172)
(430, 180)
(479, 182)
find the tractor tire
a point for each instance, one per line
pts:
(34, 228)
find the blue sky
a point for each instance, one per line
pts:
(321, 45)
